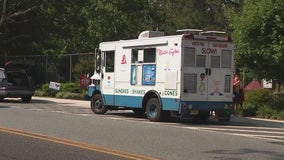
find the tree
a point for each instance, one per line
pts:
(9, 14)
(259, 36)
(85, 66)
(200, 14)
(14, 21)
(52, 27)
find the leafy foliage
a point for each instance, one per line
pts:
(46, 91)
(259, 35)
(263, 103)
(85, 65)
(60, 27)
(68, 90)
(69, 95)
(256, 99)
(71, 87)
(259, 97)
(52, 27)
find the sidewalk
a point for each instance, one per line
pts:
(70, 102)
(258, 121)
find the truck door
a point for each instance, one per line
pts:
(220, 71)
(108, 77)
(207, 71)
(195, 71)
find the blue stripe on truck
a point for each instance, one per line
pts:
(171, 104)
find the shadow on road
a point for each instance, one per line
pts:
(236, 121)
(19, 100)
(3, 107)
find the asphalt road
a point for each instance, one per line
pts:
(22, 147)
(242, 138)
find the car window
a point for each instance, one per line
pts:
(17, 78)
(2, 74)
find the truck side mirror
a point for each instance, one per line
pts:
(98, 61)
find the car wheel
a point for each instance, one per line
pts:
(27, 99)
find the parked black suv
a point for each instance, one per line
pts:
(15, 83)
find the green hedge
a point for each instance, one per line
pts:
(67, 90)
(263, 103)
(71, 87)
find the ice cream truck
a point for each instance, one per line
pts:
(188, 75)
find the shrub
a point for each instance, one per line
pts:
(256, 99)
(39, 93)
(46, 91)
(263, 104)
(266, 112)
(69, 95)
(71, 87)
(280, 115)
(279, 101)
(67, 90)
(259, 97)
(248, 109)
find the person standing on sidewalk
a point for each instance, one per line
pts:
(238, 93)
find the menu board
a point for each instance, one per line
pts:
(149, 74)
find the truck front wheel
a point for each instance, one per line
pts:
(97, 104)
(153, 110)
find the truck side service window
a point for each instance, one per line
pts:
(150, 55)
(143, 67)
(109, 59)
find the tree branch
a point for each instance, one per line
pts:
(3, 13)
(18, 13)
(8, 16)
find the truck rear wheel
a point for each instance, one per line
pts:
(97, 104)
(153, 110)
(223, 116)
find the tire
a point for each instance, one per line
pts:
(154, 110)
(97, 104)
(27, 99)
(223, 116)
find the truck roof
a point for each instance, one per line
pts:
(163, 40)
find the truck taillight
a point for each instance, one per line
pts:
(184, 106)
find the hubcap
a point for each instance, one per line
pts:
(153, 110)
(98, 104)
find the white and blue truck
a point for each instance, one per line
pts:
(189, 75)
